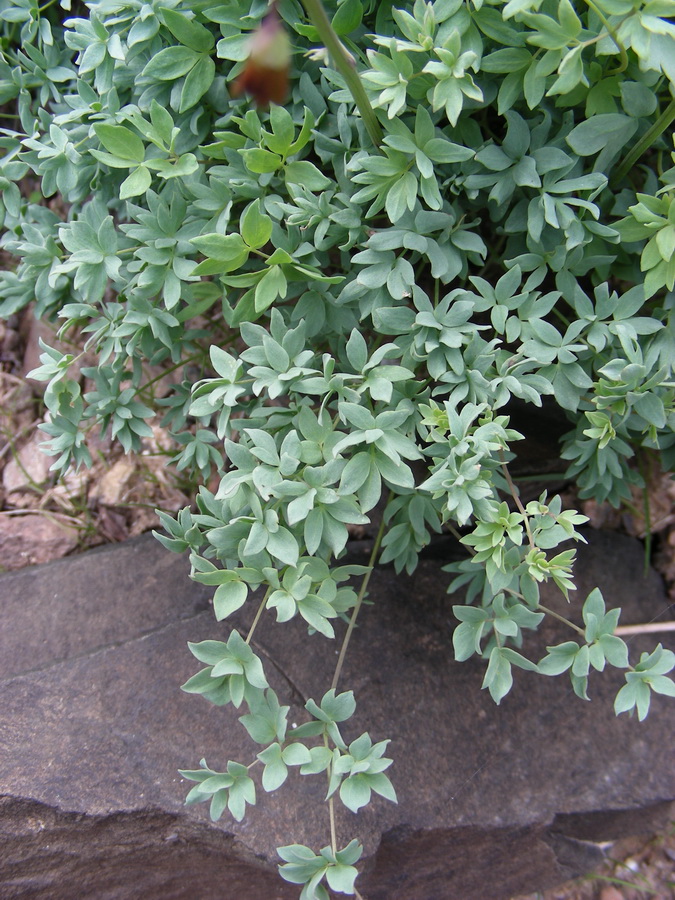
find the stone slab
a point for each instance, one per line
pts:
(74, 606)
(493, 801)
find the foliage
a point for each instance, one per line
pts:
(348, 320)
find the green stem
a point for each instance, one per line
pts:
(183, 362)
(516, 498)
(345, 66)
(614, 36)
(560, 618)
(331, 805)
(359, 601)
(647, 139)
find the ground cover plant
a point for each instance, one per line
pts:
(349, 236)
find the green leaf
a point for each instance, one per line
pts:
(498, 678)
(402, 196)
(229, 597)
(161, 122)
(121, 142)
(279, 257)
(347, 18)
(197, 83)
(171, 63)
(136, 183)
(307, 174)
(187, 31)
(341, 878)
(357, 351)
(355, 473)
(271, 286)
(441, 151)
(256, 227)
(607, 130)
(283, 130)
(226, 253)
(261, 161)
(166, 168)
(355, 792)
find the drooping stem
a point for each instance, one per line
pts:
(647, 139)
(345, 66)
(331, 805)
(560, 618)
(647, 513)
(357, 606)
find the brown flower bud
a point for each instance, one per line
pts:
(265, 76)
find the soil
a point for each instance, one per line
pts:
(44, 517)
(638, 868)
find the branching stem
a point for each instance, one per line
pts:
(517, 501)
(623, 65)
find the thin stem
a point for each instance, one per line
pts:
(357, 607)
(257, 616)
(647, 513)
(517, 501)
(614, 36)
(453, 531)
(562, 619)
(333, 831)
(647, 139)
(544, 476)
(345, 66)
(183, 362)
(331, 805)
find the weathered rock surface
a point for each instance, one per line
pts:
(493, 801)
(32, 539)
(30, 469)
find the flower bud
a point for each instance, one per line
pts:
(265, 75)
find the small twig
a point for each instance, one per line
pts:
(257, 616)
(649, 628)
(47, 513)
(9, 446)
(453, 531)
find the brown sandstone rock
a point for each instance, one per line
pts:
(33, 539)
